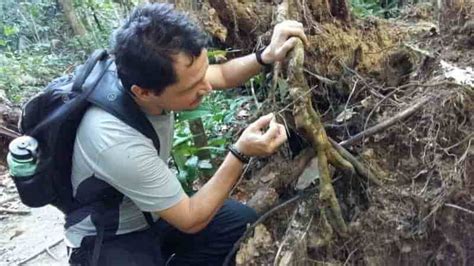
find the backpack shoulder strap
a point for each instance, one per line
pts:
(111, 97)
(86, 69)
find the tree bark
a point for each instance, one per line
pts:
(200, 138)
(454, 13)
(71, 16)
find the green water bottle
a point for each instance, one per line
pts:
(21, 158)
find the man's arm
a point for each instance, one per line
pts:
(191, 215)
(237, 71)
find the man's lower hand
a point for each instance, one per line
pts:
(254, 141)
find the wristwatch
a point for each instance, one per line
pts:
(238, 154)
(258, 55)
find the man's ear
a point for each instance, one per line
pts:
(140, 93)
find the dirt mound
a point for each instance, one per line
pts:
(423, 211)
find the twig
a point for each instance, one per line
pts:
(321, 78)
(8, 132)
(345, 107)
(372, 90)
(457, 144)
(417, 84)
(8, 199)
(361, 170)
(349, 257)
(263, 218)
(41, 251)
(280, 248)
(385, 124)
(459, 208)
(51, 254)
(19, 212)
(298, 240)
(241, 176)
(252, 89)
(297, 99)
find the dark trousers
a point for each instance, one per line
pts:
(165, 245)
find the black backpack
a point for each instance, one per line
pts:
(52, 117)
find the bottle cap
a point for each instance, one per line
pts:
(23, 148)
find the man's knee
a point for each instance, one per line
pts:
(241, 213)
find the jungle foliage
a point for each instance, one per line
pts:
(37, 44)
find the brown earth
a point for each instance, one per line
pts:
(423, 212)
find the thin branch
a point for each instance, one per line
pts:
(457, 144)
(19, 212)
(50, 253)
(8, 132)
(252, 89)
(8, 199)
(459, 208)
(417, 84)
(321, 78)
(263, 218)
(345, 107)
(241, 176)
(349, 257)
(41, 251)
(358, 166)
(286, 237)
(387, 123)
(297, 99)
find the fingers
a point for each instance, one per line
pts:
(272, 131)
(275, 136)
(293, 28)
(287, 46)
(284, 38)
(262, 122)
(281, 137)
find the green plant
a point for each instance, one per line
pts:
(37, 44)
(218, 114)
(367, 8)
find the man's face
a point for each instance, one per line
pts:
(190, 88)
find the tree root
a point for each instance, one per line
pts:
(262, 218)
(308, 122)
(293, 243)
(360, 169)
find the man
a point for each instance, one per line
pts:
(161, 60)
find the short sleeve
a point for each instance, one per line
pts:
(134, 169)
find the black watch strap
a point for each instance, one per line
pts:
(258, 55)
(239, 155)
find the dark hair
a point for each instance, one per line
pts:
(144, 45)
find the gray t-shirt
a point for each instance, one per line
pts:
(108, 149)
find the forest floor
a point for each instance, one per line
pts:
(422, 215)
(33, 236)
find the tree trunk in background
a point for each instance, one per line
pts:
(454, 13)
(188, 5)
(200, 138)
(71, 16)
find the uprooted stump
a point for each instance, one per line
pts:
(308, 121)
(412, 130)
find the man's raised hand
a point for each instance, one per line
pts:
(285, 35)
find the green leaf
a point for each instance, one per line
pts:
(190, 115)
(218, 141)
(178, 140)
(205, 164)
(192, 162)
(9, 30)
(183, 176)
